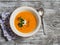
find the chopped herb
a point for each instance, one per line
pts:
(21, 19)
(20, 24)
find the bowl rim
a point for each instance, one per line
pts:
(12, 21)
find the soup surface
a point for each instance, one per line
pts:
(25, 22)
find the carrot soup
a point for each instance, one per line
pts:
(25, 22)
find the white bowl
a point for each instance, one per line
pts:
(12, 17)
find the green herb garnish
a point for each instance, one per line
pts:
(21, 22)
(21, 19)
(20, 25)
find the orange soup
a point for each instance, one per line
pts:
(25, 22)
